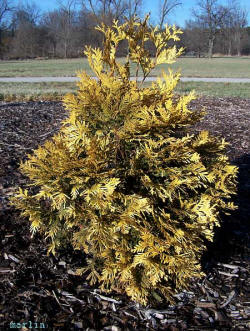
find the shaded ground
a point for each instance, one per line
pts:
(39, 288)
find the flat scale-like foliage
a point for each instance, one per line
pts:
(123, 180)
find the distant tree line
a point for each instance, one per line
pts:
(26, 32)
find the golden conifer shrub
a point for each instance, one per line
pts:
(123, 180)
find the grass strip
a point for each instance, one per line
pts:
(237, 67)
(56, 90)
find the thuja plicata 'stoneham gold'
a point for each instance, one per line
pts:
(123, 179)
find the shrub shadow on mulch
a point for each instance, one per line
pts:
(232, 238)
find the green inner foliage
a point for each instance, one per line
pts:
(123, 180)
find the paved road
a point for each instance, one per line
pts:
(149, 79)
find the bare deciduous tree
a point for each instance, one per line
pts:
(134, 7)
(239, 23)
(234, 28)
(105, 11)
(194, 38)
(25, 30)
(60, 25)
(25, 13)
(212, 15)
(66, 22)
(165, 8)
(5, 7)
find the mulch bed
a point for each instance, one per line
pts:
(36, 288)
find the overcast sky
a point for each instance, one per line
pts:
(179, 16)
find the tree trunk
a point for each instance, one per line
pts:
(238, 43)
(210, 47)
(54, 50)
(229, 51)
(65, 49)
(0, 41)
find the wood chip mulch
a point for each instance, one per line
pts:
(43, 291)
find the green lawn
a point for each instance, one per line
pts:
(37, 88)
(241, 90)
(231, 67)
(55, 90)
(190, 67)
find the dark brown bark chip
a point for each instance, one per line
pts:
(42, 290)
